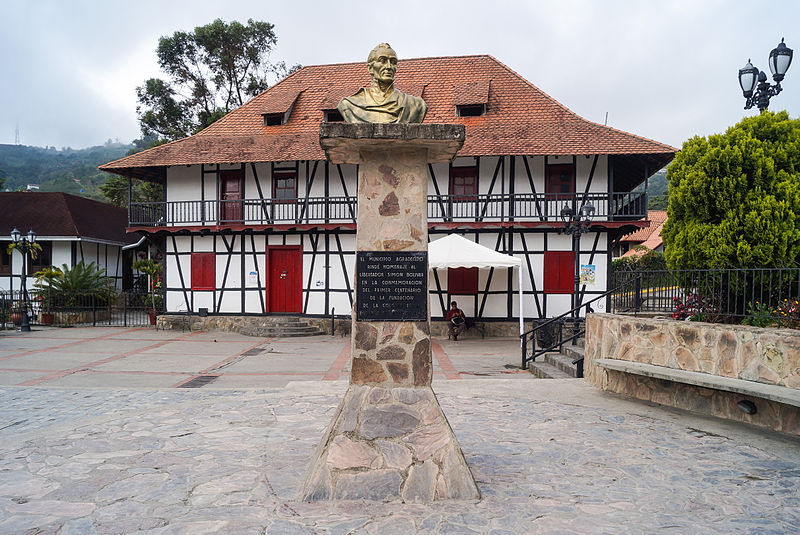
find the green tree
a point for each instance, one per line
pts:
(115, 188)
(210, 71)
(115, 191)
(735, 197)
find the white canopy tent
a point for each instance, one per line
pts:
(455, 251)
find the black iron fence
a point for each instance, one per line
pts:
(757, 296)
(77, 309)
(761, 297)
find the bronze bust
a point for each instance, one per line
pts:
(381, 102)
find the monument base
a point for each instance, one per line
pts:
(389, 444)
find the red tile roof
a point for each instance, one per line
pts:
(62, 214)
(279, 101)
(520, 119)
(657, 219)
(471, 93)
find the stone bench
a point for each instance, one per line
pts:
(780, 394)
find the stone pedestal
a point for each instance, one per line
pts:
(389, 439)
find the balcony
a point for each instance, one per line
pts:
(625, 206)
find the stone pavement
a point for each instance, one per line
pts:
(143, 357)
(549, 456)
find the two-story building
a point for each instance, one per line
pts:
(256, 221)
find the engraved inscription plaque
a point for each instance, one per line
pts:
(391, 286)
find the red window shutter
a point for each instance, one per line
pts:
(204, 270)
(559, 272)
(462, 281)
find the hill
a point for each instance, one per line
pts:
(68, 170)
(657, 189)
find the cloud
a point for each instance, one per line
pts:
(665, 70)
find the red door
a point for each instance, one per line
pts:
(230, 186)
(284, 288)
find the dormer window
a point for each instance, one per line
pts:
(273, 119)
(277, 107)
(472, 99)
(470, 110)
(333, 116)
(329, 104)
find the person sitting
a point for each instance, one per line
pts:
(457, 321)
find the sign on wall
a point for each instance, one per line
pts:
(588, 274)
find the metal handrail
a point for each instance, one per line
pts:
(479, 207)
(558, 345)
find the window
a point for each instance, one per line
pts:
(463, 183)
(44, 258)
(5, 258)
(284, 186)
(333, 116)
(470, 110)
(273, 119)
(462, 281)
(559, 272)
(560, 180)
(204, 271)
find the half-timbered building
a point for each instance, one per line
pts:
(256, 221)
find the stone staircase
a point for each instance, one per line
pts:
(280, 327)
(558, 365)
(261, 326)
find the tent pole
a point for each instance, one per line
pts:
(521, 309)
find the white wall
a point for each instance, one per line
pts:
(229, 300)
(183, 183)
(104, 255)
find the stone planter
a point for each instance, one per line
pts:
(749, 354)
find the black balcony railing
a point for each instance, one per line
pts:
(503, 207)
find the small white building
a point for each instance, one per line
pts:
(69, 229)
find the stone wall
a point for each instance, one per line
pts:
(770, 356)
(262, 326)
(256, 325)
(482, 329)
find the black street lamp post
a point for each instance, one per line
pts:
(779, 60)
(576, 225)
(24, 244)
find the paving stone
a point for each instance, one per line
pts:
(78, 526)
(567, 460)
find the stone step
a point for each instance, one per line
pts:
(543, 370)
(572, 351)
(286, 332)
(562, 362)
(282, 319)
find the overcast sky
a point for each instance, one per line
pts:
(664, 69)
